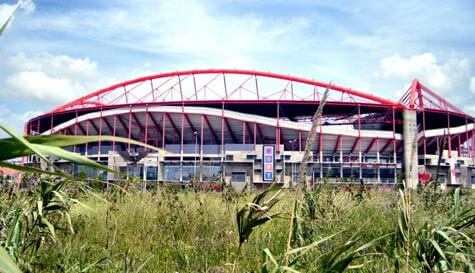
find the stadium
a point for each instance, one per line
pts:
(250, 128)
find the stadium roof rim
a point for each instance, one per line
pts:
(417, 97)
(253, 73)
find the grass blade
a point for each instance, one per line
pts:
(6, 263)
(11, 149)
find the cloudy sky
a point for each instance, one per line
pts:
(55, 50)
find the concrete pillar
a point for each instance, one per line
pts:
(464, 177)
(409, 130)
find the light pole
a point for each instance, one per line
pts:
(195, 134)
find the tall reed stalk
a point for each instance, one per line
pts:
(310, 142)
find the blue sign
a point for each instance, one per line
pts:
(268, 162)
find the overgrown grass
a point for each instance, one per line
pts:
(185, 231)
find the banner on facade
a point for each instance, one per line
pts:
(268, 162)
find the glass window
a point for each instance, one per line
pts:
(211, 172)
(386, 175)
(351, 173)
(369, 172)
(238, 177)
(172, 172)
(134, 171)
(152, 173)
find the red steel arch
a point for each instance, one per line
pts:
(126, 89)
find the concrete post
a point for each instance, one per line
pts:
(409, 130)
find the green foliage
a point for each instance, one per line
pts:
(438, 246)
(255, 214)
(7, 265)
(33, 219)
(178, 230)
(44, 146)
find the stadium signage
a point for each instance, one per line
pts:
(268, 162)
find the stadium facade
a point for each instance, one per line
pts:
(251, 127)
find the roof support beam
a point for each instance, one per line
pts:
(248, 128)
(357, 140)
(95, 126)
(189, 122)
(233, 136)
(386, 145)
(371, 144)
(155, 123)
(111, 129)
(137, 121)
(82, 129)
(337, 144)
(216, 139)
(172, 123)
(119, 117)
(259, 132)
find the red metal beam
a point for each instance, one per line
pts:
(119, 117)
(370, 145)
(248, 129)
(231, 132)
(82, 129)
(216, 139)
(95, 126)
(172, 123)
(353, 147)
(337, 143)
(259, 132)
(111, 129)
(94, 96)
(386, 145)
(155, 123)
(189, 123)
(137, 121)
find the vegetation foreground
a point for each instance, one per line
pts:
(58, 227)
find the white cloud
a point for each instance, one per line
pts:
(6, 10)
(472, 84)
(50, 78)
(442, 77)
(39, 86)
(470, 109)
(56, 65)
(15, 119)
(192, 30)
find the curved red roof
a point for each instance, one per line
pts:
(221, 84)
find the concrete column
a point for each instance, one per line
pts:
(409, 130)
(378, 162)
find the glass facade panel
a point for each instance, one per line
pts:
(133, 170)
(351, 173)
(172, 172)
(369, 172)
(386, 175)
(238, 177)
(211, 172)
(151, 174)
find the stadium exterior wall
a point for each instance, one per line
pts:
(212, 125)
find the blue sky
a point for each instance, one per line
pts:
(56, 50)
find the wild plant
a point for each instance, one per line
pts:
(437, 246)
(254, 214)
(310, 142)
(37, 218)
(337, 258)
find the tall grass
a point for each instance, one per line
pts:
(176, 230)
